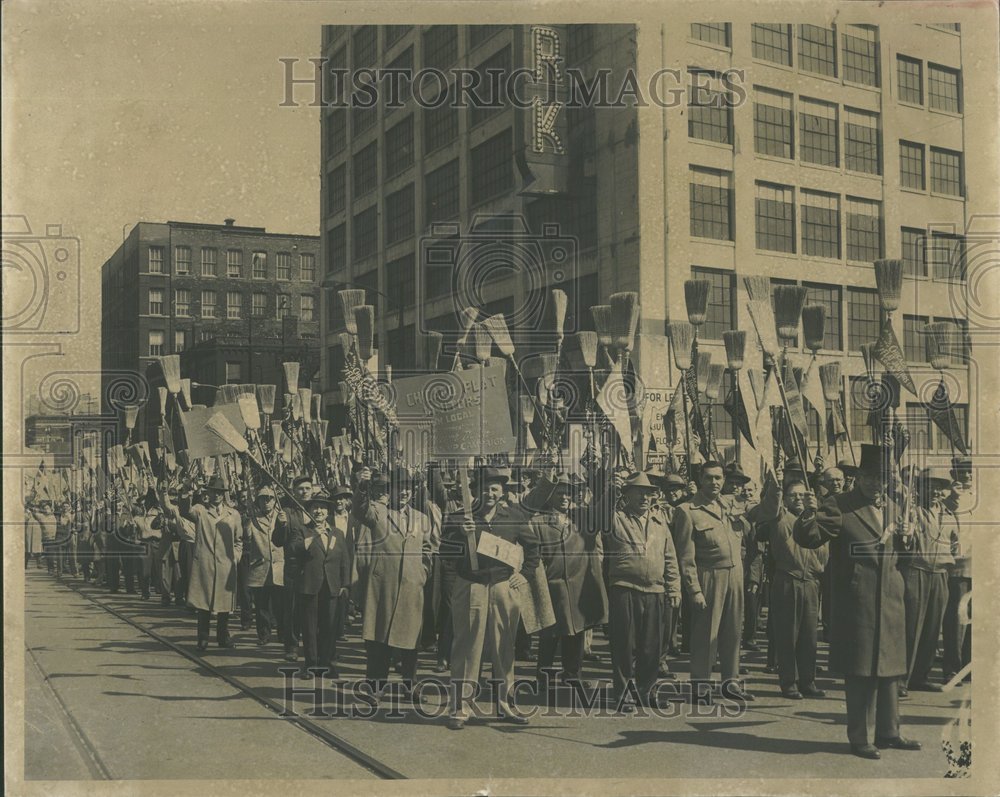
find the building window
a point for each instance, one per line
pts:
(818, 132)
(481, 33)
(208, 261)
(156, 301)
(401, 71)
(336, 190)
(914, 338)
(962, 422)
(946, 256)
(860, 54)
(306, 307)
(180, 340)
(944, 89)
(772, 117)
(864, 230)
(820, 224)
(863, 322)
(365, 170)
(440, 47)
(368, 281)
(946, 172)
(399, 215)
(208, 304)
(401, 282)
(156, 343)
(910, 77)
(282, 306)
(437, 280)
(719, 317)
(961, 350)
(862, 142)
(336, 248)
(234, 305)
(493, 74)
(362, 118)
(334, 312)
(258, 305)
(914, 261)
(234, 373)
(441, 193)
(364, 231)
(402, 347)
(393, 33)
(258, 264)
(775, 218)
(307, 267)
(711, 204)
(579, 43)
(911, 165)
(440, 123)
(399, 147)
(363, 46)
(772, 42)
(829, 297)
(710, 113)
(234, 263)
(156, 260)
(492, 165)
(182, 301)
(336, 132)
(283, 264)
(714, 32)
(182, 260)
(335, 83)
(818, 50)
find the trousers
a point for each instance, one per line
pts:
(872, 704)
(378, 659)
(319, 627)
(572, 653)
(925, 598)
(795, 604)
(205, 624)
(269, 602)
(716, 629)
(635, 626)
(957, 635)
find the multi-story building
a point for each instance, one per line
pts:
(177, 286)
(826, 149)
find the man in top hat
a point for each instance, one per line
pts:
(323, 578)
(266, 564)
(637, 550)
(956, 631)
(925, 579)
(868, 639)
(484, 609)
(290, 520)
(708, 549)
(572, 559)
(216, 530)
(393, 556)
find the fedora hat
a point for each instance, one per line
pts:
(638, 481)
(319, 499)
(488, 474)
(266, 490)
(938, 474)
(215, 485)
(340, 491)
(733, 472)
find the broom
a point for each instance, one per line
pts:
(624, 319)
(248, 390)
(131, 415)
(317, 406)
(364, 328)
(788, 302)
(560, 302)
(305, 402)
(940, 338)
(586, 343)
(482, 343)
(186, 393)
(291, 376)
(265, 397)
(713, 385)
(162, 394)
(701, 370)
(831, 380)
(230, 393)
(497, 328)
(735, 341)
(171, 367)
(696, 299)
(350, 300)
(814, 326)
(468, 317)
(681, 344)
(889, 282)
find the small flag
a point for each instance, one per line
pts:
(888, 352)
(941, 410)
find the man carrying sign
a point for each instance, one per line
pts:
(483, 604)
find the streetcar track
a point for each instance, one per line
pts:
(330, 739)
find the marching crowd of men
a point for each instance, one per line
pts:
(661, 566)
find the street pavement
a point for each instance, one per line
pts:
(149, 712)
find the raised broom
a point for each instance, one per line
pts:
(735, 341)
(601, 315)
(830, 378)
(713, 386)
(681, 342)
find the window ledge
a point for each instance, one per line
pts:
(820, 166)
(863, 86)
(919, 106)
(956, 197)
(774, 158)
(773, 253)
(710, 143)
(910, 190)
(722, 48)
(718, 241)
(863, 175)
(942, 112)
(774, 64)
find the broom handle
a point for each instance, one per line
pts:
(277, 483)
(687, 428)
(847, 430)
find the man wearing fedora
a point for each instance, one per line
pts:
(956, 631)
(671, 492)
(266, 564)
(216, 530)
(393, 556)
(636, 551)
(484, 609)
(868, 639)
(291, 519)
(323, 577)
(708, 549)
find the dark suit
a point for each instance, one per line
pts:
(291, 610)
(868, 633)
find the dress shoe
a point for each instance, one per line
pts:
(752, 646)
(743, 670)
(904, 693)
(738, 696)
(591, 656)
(791, 693)
(899, 743)
(455, 724)
(202, 644)
(165, 600)
(812, 691)
(332, 673)
(228, 642)
(515, 719)
(770, 669)
(290, 655)
(303, 675)
(441, 666)
(926, 686)
(865, 751)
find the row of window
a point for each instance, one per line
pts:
(943, 89)
(946, 175)
(234, 304)
(234, 263)
(915, 339)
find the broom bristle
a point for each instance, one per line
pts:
(758, 288)
(763, 319)
(248, 390)
(265, 397)
(323, 426)
(829, 377)
(170, 461)
(346, 394)
(681, 339)
(220, 426)
(547, 365)
(527, 409)
(249, 411)
(276, 435)
(230, 393)
(317, 407)
(350, 299)
(701, 371)
(940, 337)
(868, 355)
(482, 342)
(788, 301)
(364, 323)
(560, 301)
(624, 318)
(171, 367)
(291, 376)
(587, 343)
(186, 392)
(432, 350)
(814, 326)
(345, 342)
(696, 299)
(736, 344)
(305, 402)
(601, 314)
(131, 414)
(161, 393)
(714, 384)
(889, 282)
(497, 327)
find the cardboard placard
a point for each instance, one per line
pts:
(200, 442)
